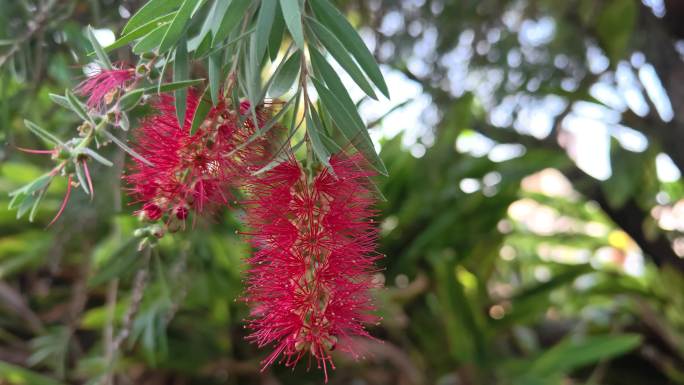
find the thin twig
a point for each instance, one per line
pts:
(34, 26)
(139, 284)
(112, 290)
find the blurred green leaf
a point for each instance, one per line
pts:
(149, 11)
(341, 55)
(292, 14)
(329, 16)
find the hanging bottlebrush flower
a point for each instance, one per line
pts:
(100, 86)
(311, 274)
(190, 173)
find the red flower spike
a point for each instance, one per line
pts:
(311, 274)
(191, 173)
(99, 86)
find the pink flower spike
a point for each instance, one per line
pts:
(99, 86)
(90, 182)
(64, 203)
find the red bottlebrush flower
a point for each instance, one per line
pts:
(311, 274)
(189, 173)
(100, 85)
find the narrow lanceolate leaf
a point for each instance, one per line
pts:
(141, 31)
(81, 178)
(34, 209)
(292, 14)
(99, 52)
(253, 75)
(173, 86)
(131, 99)
(355, 134)
(37, 184)
(340, 53)
(78, 107)
(180, 73)
(314, 129)
(334, 83)
(61, 100)
(215, 75)
(151, 40)
(177, 26)
(149, 11)
(286, 75)
(331, 17)
(227, 44)
(264, 23)
(42, 133)
(201, 112)
(212, 22)
(276, 37)
(99, 158)
(230, 20)
(125, 147)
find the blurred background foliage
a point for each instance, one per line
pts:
(532, 223)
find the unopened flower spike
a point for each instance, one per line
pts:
(102, 85)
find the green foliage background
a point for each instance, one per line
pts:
(472, 296)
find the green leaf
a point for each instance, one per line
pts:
(253, 79)
(42, 133)
(215, 75)
(131, 99)
(355, 134)
(37, 184)
(177, 26)
(16, 375)
(173, 86)
(201, 112)
(78, 107)
(286, 75)
(122, 260)
(341, 55)
(149, 11)
(231, 19)
(151, 40)
(615, 25)
(334, 84)
(292, 14)
(61, 100)
(264, 23)
(34, 208)
(26, 205)
(329, 16)
(81, 178)
(314, 128)
(572, 354)
(227, 43)
(101, 55)
(180, 73)
(141, 31)
(99, 158)
(211, 24)
(125, 147)
(276, 37)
